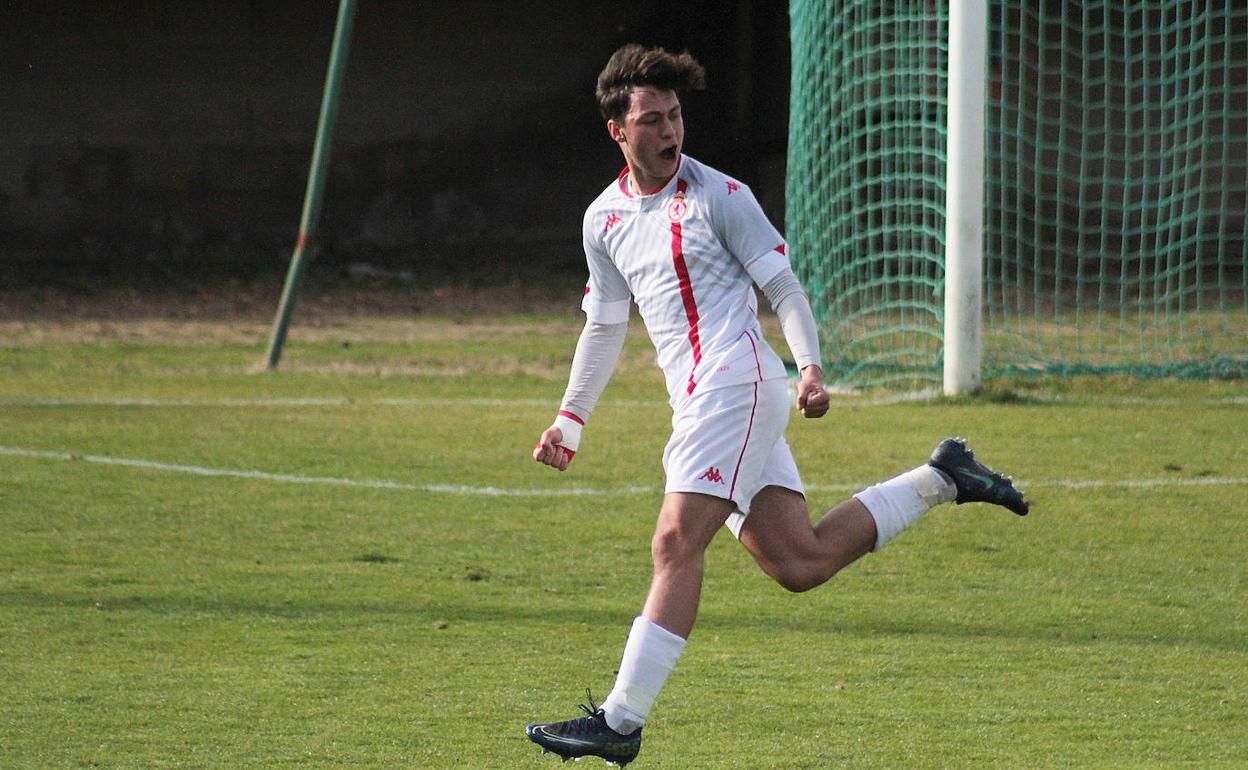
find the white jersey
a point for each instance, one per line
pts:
(689, 255)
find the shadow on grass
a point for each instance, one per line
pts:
(559, 612)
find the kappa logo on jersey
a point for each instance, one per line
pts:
(712, 474)
(732, 186)
(678, 208)
(613, 219)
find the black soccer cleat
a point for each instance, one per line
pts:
(976, 482)
(587, 736)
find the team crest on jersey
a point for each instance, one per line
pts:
(678, 209)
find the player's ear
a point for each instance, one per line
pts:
(616, 131)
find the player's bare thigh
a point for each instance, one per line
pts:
(778, 527)
(779, 535)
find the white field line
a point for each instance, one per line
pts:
(240, 402)
(196, 470)
(836, 401)
(453, 489)
(1056, 398)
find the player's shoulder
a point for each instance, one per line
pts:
(715, 183)
(608, 200)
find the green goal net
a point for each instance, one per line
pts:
(1115, 186)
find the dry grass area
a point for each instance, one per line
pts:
(245, 313)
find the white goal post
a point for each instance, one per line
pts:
(964, 221)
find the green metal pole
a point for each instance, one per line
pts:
(320, 160)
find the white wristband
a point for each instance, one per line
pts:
(571, 425)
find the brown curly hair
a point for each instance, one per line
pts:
(634, 65)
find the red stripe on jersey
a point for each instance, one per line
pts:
(570, 416)
(780, 248)
(749, 429)
(686, 290)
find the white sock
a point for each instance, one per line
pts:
(649, 656)
(899, 502)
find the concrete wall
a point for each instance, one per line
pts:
(172, 136)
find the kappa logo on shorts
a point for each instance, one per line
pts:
(712, 474)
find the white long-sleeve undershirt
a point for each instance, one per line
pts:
(797, 321)
(597, 352)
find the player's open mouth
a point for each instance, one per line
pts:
(669, 153)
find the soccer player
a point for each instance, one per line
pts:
(688, 244)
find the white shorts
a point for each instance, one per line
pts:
(729, 443)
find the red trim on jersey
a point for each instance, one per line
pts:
(686, 290)
(748, 431)
(757, 362)
(570, 416)
(780, 248)
(624, 185)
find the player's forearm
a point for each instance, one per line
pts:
(597, 352)
(796, 318)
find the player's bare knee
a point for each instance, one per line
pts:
(801, 576)
(798, 582)
(666, 547)
(671, 547)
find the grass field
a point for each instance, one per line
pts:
(352, 562)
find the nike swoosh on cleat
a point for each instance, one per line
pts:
(987, 481)
(576, 742)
